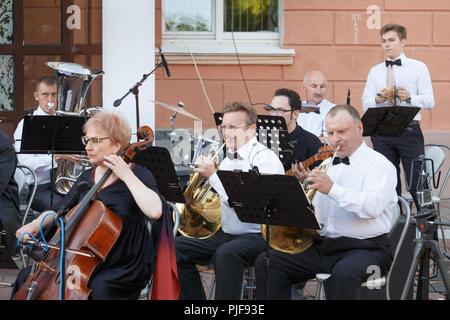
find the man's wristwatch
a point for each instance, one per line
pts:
(408, 100)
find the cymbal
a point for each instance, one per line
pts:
(309, 108)
(177, 109)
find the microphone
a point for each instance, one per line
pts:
(164, 62)
(117, 103)
(348, 97)
(32, 249)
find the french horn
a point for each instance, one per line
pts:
(293, 239)
(200, 217)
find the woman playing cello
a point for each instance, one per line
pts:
(131, 193)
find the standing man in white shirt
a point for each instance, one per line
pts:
(45, 95)
(315, 86)
(355, 202)
(236, 244)
(413, 84)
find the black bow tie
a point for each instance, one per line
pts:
(338, 160)
(397, 62)
(233, 155)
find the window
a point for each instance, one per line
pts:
(33, 32)
(214, 26)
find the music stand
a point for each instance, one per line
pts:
(271, 131)
(52, 135)
(268, 199)
(387, 121)
(159, 162)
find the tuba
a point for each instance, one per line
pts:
(201, 215)
(73, 81)
(292, 239)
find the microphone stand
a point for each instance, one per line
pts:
(172, 133)
(135, 90)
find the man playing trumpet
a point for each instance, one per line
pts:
(355, 203)
(236, 244)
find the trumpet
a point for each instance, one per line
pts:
(324, 168)
(292, 239)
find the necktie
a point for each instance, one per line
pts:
(397, 62)
(338, 160)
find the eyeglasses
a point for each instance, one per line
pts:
(93, 140)
(231, 127)
(269, 108)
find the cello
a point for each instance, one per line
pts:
(90, 231)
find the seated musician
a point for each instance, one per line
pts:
(355, 203)
(130, 193)
(9, 195)
(236, 244)
(44, 198)
(315, 87)
(287, 104)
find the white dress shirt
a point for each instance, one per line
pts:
(413, 75)
(362, 201)
(251, 154)
(315, 122)
(40, 163)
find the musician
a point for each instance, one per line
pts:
(9, 195)
(414, 88)
(45, 95)
(355, 202)
(130, 193)
(287, 104)
(236, 244)
(315, 87)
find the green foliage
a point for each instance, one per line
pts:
(251, 15)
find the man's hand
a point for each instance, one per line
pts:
(320, 181)
(205, 167)
(402, 94)
(301, 174)
(381, 96)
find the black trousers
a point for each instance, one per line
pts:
(346, 259)
(229, 254)
(45, 197)
(406, 148)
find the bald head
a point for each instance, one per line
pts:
(344, 128)
(315, 86)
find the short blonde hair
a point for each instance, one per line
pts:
(115, 126)
(236, 106)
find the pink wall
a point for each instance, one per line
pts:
(329, 35)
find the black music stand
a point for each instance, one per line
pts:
(387, 121)
(159, 162)
(52, 135)
(271, 131)
(268, 199)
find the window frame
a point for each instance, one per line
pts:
(221, 41)
(66, 49)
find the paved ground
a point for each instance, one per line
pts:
(9, 274)
(436, 286)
